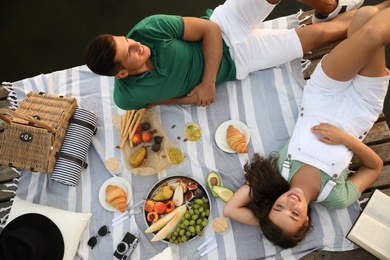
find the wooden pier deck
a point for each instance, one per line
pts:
(378, 139)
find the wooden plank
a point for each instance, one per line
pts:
(379, 133)
(383, 180)
(381, 149)
(357, 254)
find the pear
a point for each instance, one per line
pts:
(164, 193)
(137, 158)
(178, 197)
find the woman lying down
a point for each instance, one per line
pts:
(341, 102)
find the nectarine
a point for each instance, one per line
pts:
(147, 136)
(149, 205)
(159, 207)
(136, 139)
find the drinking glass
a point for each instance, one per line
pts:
(192, 131)
(178, 158)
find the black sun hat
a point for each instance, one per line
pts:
(31, 236)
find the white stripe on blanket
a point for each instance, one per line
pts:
(267, 101)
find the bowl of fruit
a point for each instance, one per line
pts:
(177, 209)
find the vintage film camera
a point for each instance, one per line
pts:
(126, 247)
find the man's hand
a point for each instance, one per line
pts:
(205, 93)
(331, 134)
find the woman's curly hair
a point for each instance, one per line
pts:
(266, 185)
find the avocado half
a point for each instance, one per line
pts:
(223, 193)
(213, 179)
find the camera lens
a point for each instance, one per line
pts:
(122, 248)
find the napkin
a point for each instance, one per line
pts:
(164, 255)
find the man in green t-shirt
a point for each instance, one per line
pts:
(168, 59)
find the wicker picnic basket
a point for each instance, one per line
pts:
(35, 131)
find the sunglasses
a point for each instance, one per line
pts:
(101, 232)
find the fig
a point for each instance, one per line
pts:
(189, 196)
(145, 126)
(198, 193)
(156, 147)
(192, 186)
(158, 139)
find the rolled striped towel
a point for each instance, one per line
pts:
(72, 156)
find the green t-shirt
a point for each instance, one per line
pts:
(178, 64)
(342, 195)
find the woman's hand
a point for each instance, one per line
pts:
(330, 134)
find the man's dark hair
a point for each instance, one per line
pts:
(99, 55)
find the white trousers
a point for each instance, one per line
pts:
(253, 47)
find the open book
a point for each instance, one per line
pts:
(371, 230)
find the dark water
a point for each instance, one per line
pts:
(44, 36)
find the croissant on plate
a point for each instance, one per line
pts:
(116, 197)
(236, 140)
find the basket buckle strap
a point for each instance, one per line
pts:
(72, 158)
(83, 123)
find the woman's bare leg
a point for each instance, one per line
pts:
(363, 51)
(319, 34)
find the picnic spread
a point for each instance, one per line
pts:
(264, 106)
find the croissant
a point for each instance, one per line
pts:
(236, 140)
(117, 197)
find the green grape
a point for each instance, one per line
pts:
(184, 239)
(186, 223)
(191, 229)
(182, 225)
(201, 209)
(188, 233)
(203, 214)
(187, 215)
(199, 233)
(207, 212)
(191, 212)
(199, 221)
(198, 228)
(196, 206)
(192, 222)
(199, 201)
(182, 232)
(195, 217)
(204, 222)
(205, 200)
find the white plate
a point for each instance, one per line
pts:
(117, 181)
(220, 134)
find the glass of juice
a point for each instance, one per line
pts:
(192, 131)
(178, 158)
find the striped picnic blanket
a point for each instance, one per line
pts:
(267, 102)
